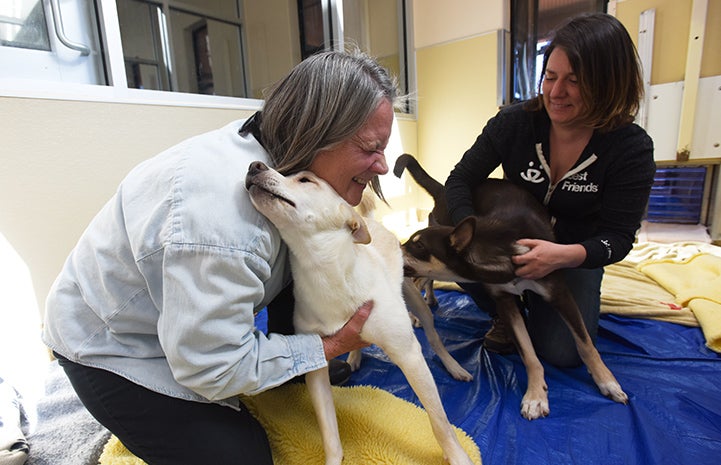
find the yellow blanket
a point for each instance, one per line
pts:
(695, 283)
(375, 427)
(628, 292)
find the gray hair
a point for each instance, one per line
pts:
(323, 101)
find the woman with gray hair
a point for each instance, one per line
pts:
(152, 316)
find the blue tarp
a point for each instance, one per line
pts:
(673, 382)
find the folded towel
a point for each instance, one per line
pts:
(677, 251)
(696, 283)
(375, 427)
(628, 292)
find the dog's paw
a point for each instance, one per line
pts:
(430, 299)
(459, 373)
(414, 320)
(614, 392)
(335, 460)
(532, 409)
(354, 360)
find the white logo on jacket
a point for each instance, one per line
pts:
(578, 183)
(532, 174)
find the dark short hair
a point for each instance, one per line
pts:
(606, 63)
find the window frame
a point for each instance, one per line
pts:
(527, 16)
(117, 91)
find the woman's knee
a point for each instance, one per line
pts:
(164, 430)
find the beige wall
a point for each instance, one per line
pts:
(62, 160)
(436, 22)
(456, 58)
(711, 63)
(273, 48)
(457, 84)
(401, 214)
(671, 36)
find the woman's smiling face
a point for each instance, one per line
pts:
(561, 92)
(350, 165)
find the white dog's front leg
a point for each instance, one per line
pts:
(321, 396)
(409, 359)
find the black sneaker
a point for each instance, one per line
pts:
(339, 372)
(498, 339)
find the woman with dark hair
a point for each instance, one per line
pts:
(152, 316)
(576, 149)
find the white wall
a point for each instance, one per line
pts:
(436, 22)
(62, 160)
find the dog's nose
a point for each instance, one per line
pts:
(256, 167)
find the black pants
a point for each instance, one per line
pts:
(551, 337)
(164, 430)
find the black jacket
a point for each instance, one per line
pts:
(599, 203)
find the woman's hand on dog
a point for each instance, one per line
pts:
(545, 257)
(348, 337)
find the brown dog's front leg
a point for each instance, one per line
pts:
(535, 401)
(602, 376)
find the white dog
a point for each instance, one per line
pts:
(420, 313)
(339, 262)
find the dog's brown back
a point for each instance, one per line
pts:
(508, 212)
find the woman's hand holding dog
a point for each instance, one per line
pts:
(348, 337)
(544, 257)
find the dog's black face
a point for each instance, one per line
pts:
(426, 254)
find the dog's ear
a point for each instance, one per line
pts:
(356, 224)
(462, 235)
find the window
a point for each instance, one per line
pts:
(192, 47)
(532, 21)
(310, 19)
(51, 40)
(179, 51)
(378, 27)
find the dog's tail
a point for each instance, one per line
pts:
(430, 185)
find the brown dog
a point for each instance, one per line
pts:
(479, 249)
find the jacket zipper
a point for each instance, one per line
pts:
(552, 186)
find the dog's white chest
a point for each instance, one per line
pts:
(328, 295)
(519, 286)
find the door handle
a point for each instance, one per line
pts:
(60, 30)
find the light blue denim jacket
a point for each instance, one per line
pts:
(163, 284)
